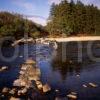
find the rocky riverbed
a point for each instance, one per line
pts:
(28, 86)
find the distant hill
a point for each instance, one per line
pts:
(12, 24)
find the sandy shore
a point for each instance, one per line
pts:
(72, 39)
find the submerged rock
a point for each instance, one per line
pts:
(74, 93)
(21, 56)
(57, 90)
(84, 85)
(78, 75)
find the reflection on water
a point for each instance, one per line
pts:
(65, 68)
(71, 75)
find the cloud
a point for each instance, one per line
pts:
(28, 6)
(95, 2)
(54, 1)
(38, 20)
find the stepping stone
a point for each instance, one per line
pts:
(93, 85)
(71, 96)
(5, 90)
(46, 88)
(85, 86)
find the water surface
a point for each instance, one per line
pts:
(66, 76)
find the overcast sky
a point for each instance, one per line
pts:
(38, 8)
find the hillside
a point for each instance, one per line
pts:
(15, 25)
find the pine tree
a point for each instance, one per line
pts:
(74, 18)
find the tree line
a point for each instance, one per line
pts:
(70, 18)
(12, 24)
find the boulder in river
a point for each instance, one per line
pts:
(5, 90)
(19, 82)
(24, 90)
(78, 75)
(3, 68)
(24, 67)
(46, 88)
(35, 78)
(22, 72)
(38, 72)
(72, 96)
(85, 86)
(30, 61)
(74, 93)
(39, 85)
(93, 85)
(56, 90)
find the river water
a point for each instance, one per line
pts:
(66, 75)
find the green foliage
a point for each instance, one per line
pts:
(74, 18)
(16, 25)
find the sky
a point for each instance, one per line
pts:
(39, 9)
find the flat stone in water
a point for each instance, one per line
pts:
(24, 90)
(13, 91)
(85, 86)
(59, 98)
(22, 72)
(93, 85)
(19, 82)
(46, 88)
(5, 90)
(30, 61)
(39, 85)
(13, 98)
(71, 96)
(3, 68)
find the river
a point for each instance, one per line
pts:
(66, 76)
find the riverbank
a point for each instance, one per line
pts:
(75, 38)
(67, 39)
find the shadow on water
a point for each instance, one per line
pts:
(71, 65)
(66, 68)
(7, 77)
(70, 75)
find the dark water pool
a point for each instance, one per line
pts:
(66, 75)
